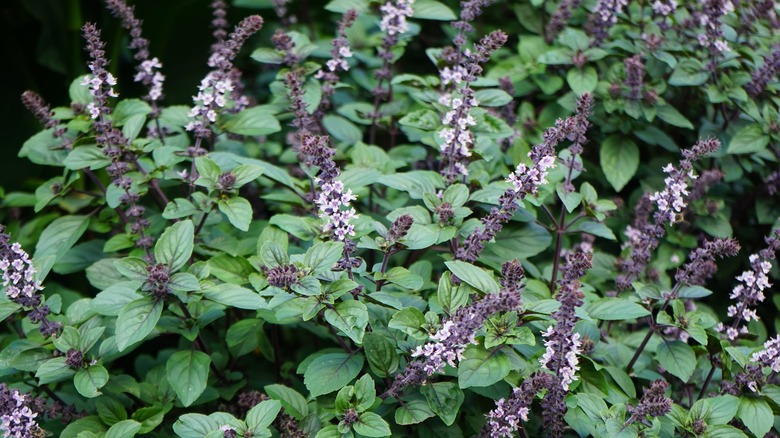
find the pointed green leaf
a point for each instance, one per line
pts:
(188, 374)
(174, 247)
(136, 320)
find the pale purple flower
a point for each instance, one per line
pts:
(17, 419)
(527, 179)
(455, 334)
(334, 206)
(750, 290)
(769, 356)
(664, 7)
(603, 18)
(216, 88)
(394, 16)
(148, 71)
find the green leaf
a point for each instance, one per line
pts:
(124, 429)
(110, 410)
(253, 122)
(409, 321)
(582, 81)
(342, 129)
(380, 354)
(492, 96)
(174, 248)
(273, 255)
(188, 372)
(194, 425)
(670, 115)
(136, 320)
(693, 292)
(616, 309)
(245, 174)
(689, 72)
(445, 399)
(451, 298)
(208, 172)
(292, 401)
(677, 358)
(480, 367)
(128, 108)
(321, 257)
(351, 318)
(342, 6)
(132, 268)
(749, 139)
(403, 277)
(756, 414)
(414, 410)
(53, 370)
(88, 381)
(432, 10)
(717, 410)
(87, 156)
(238, 211)
(56, 240)
(232, 295)
(474, 276)
(330, 372)
(262, 415)
(619, 160)
(372, 425)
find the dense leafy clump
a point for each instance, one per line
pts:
(407, 218)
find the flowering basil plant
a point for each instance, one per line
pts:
(407, 218)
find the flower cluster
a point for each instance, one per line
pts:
(563, 345)
(765, 74)
(604, 16)
(337, 62)
(710, 18)
(750, 291)
(654, 403)
(560, 18)
(393, 24)
(664, 7)
(635, 70)
(17, 419)
(457, 139)
(283, 276)
(526, 180)
(334, 206)
(21, 284)
(112, 141)
(644, 235)
(219, 23)
(469, 11)
(148, 71)
(504, 420)
(216, 88)
(455, 334)
(42, 111)
(400, 228)
(701, 266)
(394, 15)
(280, 7)
(770, 355)
(100, 82)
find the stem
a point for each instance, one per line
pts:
(642, 346)
(707, 381)
(203, 220)
(202, 345)
(383, 268)
(559, 230)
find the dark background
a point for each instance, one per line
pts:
(43, 52)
